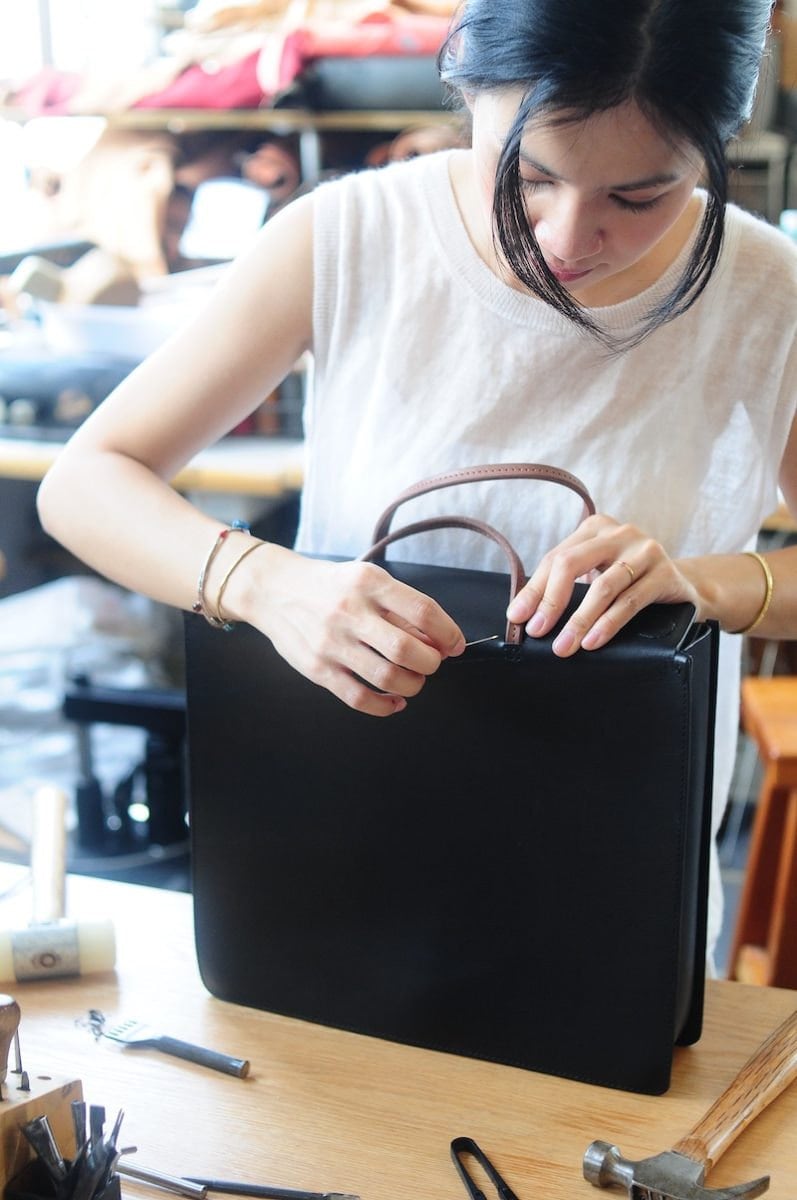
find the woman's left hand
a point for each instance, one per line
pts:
(626, 570)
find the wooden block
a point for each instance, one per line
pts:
(48, 1097)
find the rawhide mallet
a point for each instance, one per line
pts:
(678, 1174)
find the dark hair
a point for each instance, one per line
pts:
(689, 65)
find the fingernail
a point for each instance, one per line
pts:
(591, 640)
(565, 642)
(516, 610)
(535, 625)
(459, 646)
(399, 704)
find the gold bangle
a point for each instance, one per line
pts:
(226, 579)
(770, 588)
(200, 604)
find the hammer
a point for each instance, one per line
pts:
(678, 1174)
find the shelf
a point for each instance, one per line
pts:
(307, 124)
(275, 120)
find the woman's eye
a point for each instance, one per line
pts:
(637, 206)
(534, 185)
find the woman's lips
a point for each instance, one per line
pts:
(565, 276)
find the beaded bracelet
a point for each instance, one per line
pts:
(770, 588)
(200, 604)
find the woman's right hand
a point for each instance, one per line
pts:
(349, 627)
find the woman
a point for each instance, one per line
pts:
(562, 292)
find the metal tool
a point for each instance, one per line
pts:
(94, 1165)
(78, 1109)
(679, 1173)
(140, 1036)
(17, 1054)
(40, 1135)
(465, 1145)
(96, 1123)
(264, 1191)
(24, 1078)
(169, 1183)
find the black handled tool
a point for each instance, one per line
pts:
(462, 1146)
(140, 1036)
(264, 1191)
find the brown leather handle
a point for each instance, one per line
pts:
(482, 474)
(771, 1069)
(517, 576)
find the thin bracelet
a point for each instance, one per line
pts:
(222, 586)
(770, 588)
(200, 605)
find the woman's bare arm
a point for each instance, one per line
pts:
(107, 497)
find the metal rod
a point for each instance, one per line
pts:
(169, 1183)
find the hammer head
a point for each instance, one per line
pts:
(667, 1176)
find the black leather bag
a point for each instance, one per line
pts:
(514, 868)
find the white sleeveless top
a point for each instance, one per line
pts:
(425, 361)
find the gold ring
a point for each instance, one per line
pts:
(621, 563)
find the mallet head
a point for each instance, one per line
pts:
(667, 1176)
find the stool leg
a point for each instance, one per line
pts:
(758, 892)
(783, 931)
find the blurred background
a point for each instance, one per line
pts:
(142, 145)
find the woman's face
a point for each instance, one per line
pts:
(603, 195)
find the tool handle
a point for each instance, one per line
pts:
(771, 1069)
(204, 1058)
(9, 1024)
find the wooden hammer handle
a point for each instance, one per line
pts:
(9, 1023)
(771, 1069)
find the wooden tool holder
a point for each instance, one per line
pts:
(48, 1096)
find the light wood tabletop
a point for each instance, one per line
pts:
(254, 466)
(327, 1110)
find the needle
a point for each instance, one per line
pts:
(492, 638)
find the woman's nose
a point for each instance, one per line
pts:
(568, 232)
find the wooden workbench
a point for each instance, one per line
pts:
(329, 1110)
(253, 466)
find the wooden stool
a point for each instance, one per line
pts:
(764, 949)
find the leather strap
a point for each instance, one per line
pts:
(382, 536)
(517, 576)
(479, 474)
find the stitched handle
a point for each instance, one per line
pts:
(482, 474)
(517, 576)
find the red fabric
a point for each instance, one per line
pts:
(46, 93)
(376, 34)
(233, 86)
(237, 85)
